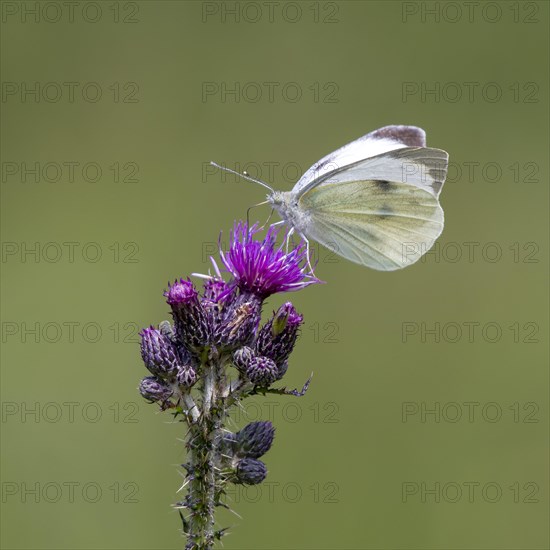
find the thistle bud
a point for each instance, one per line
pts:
(215, 290)
(242, 358)
(281, 370)
(158, 352)
(262, 371)
(155, 390)
(279, 321)
(277, 337)
(215, 295)
(240, 322)
(186, 376)
(250, 471)
(190, 319)
(255, 439)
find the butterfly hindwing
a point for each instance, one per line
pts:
(382, 224)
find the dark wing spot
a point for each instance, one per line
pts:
(383, 185)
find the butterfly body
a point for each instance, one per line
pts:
(288, 207)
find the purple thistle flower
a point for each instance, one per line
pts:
(261, 268)
(215, 290)
(215, 329)
(180, 293)
(277, 337)
(190, 318)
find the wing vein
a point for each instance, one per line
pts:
(341, 229)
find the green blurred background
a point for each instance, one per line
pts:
(359, 462)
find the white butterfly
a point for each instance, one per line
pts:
(374, 201)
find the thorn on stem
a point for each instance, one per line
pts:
(283, 390)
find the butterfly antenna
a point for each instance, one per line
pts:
(245, 176)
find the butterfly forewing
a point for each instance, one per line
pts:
(421, 167)
(388, 138)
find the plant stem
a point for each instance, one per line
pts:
(203, 451)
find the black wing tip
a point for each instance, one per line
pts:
(411, 136)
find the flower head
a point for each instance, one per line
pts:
(180, 292)
(240, 323)
(262, 371)
(215, 289)
(251, 471)
(277, 337)
(263, 268)
(191, 324)
(158, 352)
(154, 389)
(213, 330)
(242, 358)
(255, 439)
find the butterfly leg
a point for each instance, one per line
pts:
(306, 240)
(275, 225)
(288, 236)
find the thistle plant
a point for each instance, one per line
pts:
(214, 354)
